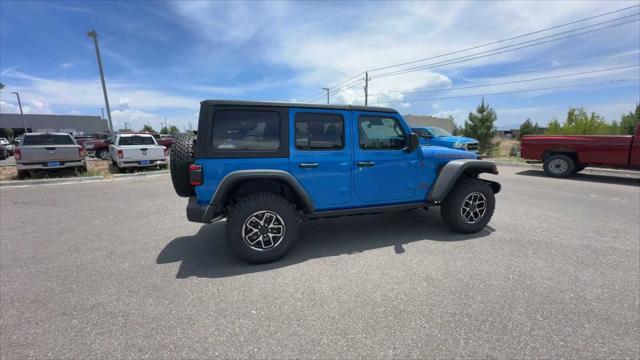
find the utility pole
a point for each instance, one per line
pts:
(102, 110)
(366, 88)
(94, 35)
(328, 94)
(24, 123)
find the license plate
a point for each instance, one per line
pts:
(145, 162)
(53, 163)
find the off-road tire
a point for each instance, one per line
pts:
(100, 154)
(559, 166)
(451, 210)
(244, 208)
(182, 155)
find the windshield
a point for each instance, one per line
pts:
(136, 140)
(437, 132)
(47, 139)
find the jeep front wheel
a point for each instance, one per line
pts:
(262, 227)
(469, 206)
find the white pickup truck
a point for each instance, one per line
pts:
(137, 150)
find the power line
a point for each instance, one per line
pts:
(423, 67)
(507, 39)
(505, 92)
(492, 52)
(511, 82)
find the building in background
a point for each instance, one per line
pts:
(428, 120)
(73, 124)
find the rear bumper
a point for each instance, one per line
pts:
(35, 166)
(127, 164)
(201, 213)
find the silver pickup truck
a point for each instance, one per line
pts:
(48, 151)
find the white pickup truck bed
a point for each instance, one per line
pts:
(137, 150)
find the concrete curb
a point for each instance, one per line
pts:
(75, 180)
(50, 181)
(589, 170)
(146, 173)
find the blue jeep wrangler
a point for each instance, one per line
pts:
(265, 167)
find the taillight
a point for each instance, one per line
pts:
(81, 151)
(120, 154)
(17, 154)
(195, 175)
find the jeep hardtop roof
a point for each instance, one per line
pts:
(299, 105)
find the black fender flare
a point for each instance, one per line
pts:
(233, 178)
(451, 172)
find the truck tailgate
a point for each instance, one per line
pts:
(42, 153)
(151, 152)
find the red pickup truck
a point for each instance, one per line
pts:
(564, 156)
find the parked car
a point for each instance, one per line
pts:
(48, 151)
(435, 136)
(266, 166)
(564, 156)
(6, 148)
(98, 148)
(81, 139)
(164, 140)
(137, 150)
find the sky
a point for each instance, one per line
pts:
(162, 58)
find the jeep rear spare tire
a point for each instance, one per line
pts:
(182, 155)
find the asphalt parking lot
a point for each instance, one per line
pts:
(113, 270)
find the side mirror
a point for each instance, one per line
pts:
(412, 142)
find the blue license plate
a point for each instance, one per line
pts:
(145, 162)
(53, 163)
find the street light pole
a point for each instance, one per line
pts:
(94, 35)
(24, 123)
(327, 90)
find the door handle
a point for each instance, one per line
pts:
(308, 165)
(366, 163)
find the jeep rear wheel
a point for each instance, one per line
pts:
(469, 206)
(182, 155)
(262, 227)
(559, 166)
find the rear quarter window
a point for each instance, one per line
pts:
(47, 139)
(235, 130)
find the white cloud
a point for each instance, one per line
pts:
(28, 107)
(66, 65)
(325, 44)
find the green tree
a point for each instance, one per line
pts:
(554, 128)
(9, 133)
(124, 130)
(173, 130)
(164, 130)
(1, 86)
(147, 128)
(528, 128)
(481, 126)
(629, 121)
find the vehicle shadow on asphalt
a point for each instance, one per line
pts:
(605, 179)
(206, 254)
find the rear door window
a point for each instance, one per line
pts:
(246, 131)
(317, 131)
(48, 139)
